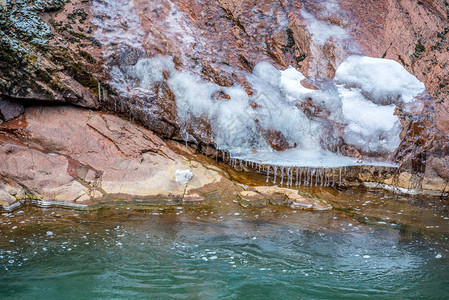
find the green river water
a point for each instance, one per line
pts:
(372, 245)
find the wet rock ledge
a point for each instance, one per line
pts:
(71, 156)
(83, 159)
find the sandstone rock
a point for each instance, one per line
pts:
(251, 198)
(214, 37)
(6, 200)
(74, 155)
(44, 176)
(261, 195)
(10, 110)
(192, 199)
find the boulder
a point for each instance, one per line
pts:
(262, 195)
(10, 109)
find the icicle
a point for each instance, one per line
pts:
(310, 177)
(275, 174)
(309, 171)
(216, 154)
(296, 182)
(291, 177)
(300, 173)
(321, 177)
(339, 178)
(99, 91)
(282, 175)
(306, 176)
(268, 174)
(333, 177)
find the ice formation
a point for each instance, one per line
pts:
(365, 112)
(356, 108)
(323, 32)
(370, 89)
(382, 81)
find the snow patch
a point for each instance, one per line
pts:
(347, 109)
(183, 176)
(370, 89)
(383, 81)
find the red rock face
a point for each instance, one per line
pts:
(414, 34)
(219, 40)
(214, 39)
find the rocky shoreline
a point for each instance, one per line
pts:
(61, 62)
(84, 159)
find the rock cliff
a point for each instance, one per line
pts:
(82, 53)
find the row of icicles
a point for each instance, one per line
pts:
(290, 176)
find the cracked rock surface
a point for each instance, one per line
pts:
(73, 155)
